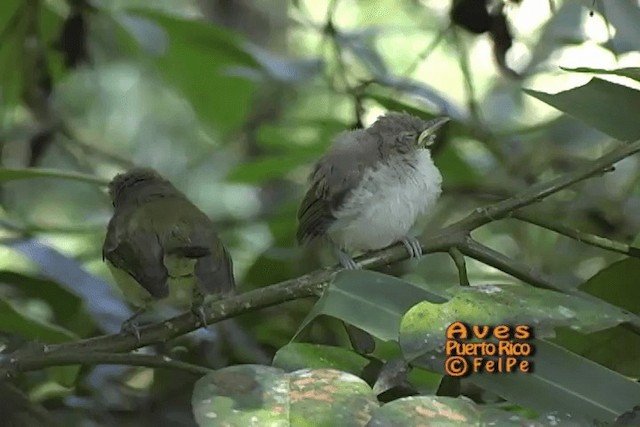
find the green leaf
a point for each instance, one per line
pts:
(617, 284)
(616, 348)
(296, 356)
(199, 61)
(423, 328)
(253, 395)
(66, 306)
(9, 174)
(630, 72)
(14, 321)
(560, 380)
(460, 411)
(371, 301)
(606, 106)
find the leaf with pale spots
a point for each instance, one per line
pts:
(436, 411)
(423, 327)
(253, 395)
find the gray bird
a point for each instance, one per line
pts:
(368, 189)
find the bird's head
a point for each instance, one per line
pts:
(406, 132)
(136, 183)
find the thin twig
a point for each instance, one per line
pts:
(458, 260)
(422, 56)
(580, 236)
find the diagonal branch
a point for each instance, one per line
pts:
(580, 236)
(312, 285)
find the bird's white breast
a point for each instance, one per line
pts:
(385, 205)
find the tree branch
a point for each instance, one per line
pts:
(310, 285)
(580, 236)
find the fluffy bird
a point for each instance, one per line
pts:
(160, 246)
(368, 189)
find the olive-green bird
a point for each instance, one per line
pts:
(159, 245)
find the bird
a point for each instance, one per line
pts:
(160, 246)
(368, 189)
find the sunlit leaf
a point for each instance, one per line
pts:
(198, 61)
(608, 107)
(423, 328)
(631, 72)
(252, 395)
(449, 411)
(12, 320)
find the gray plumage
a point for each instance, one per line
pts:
(367, 190)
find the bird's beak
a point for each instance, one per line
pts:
(427, 136)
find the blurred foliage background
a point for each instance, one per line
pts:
(232, 100)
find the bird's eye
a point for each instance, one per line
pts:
(408, 137)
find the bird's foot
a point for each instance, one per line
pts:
(198, 311)
(413, 246)
(130, 326)
(345, 260)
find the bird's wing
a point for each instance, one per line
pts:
(215, 271)
(196, 238)
(333, 178)
(138, 252)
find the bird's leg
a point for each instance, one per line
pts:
(197, 307)
(413, 246)
(343, 258)
(131, 326)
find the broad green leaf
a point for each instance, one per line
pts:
(252, 395)
(296, 356)
(608, 107)
(616, 348)
(449, 411)
(617, 284)
(423, 328)
(630, 72)
(12, 320)
(561, 380)
(371, 301)
(9, 174)
(66, 306)
(243, 395)
(198, 62)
